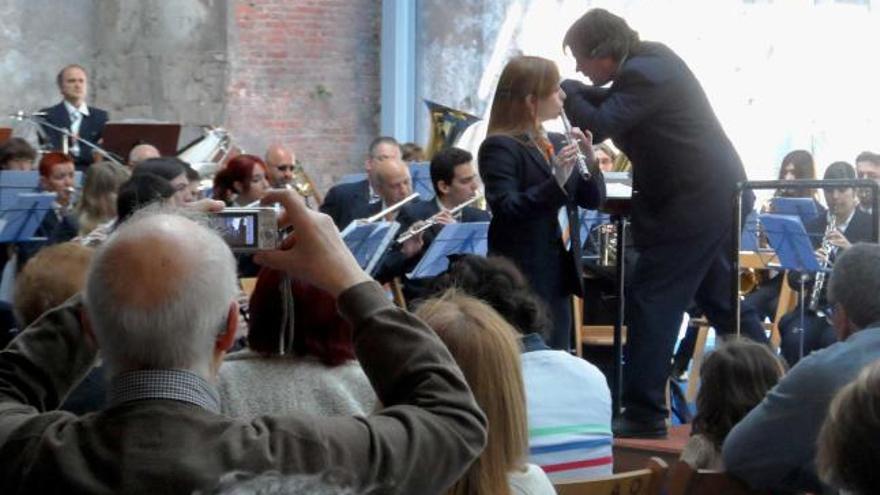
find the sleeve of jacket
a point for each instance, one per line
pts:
(500, 168)
(430, 430)
(634, 97)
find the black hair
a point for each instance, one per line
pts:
(16, 149)
(443, 165)
(598, 34)
(141, 190)
(167, 167)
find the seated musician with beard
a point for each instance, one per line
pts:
(850, 225)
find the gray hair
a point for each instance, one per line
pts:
(855, 284)
(170, 317)
(275, 483)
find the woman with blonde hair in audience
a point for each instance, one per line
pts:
(849, 442)
(486, 349)
(98, 202)
(735, 377)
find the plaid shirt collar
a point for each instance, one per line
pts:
(179, 385)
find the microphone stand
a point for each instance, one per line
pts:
(38, 118)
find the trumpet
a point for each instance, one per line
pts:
(396, 206)
(582, 167)
(419, 227)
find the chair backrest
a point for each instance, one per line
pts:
(685, 480)
(646, 481)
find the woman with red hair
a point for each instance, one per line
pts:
(56, 175)
(242, 182)
(300, 356)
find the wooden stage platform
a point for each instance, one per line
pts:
(633, 453)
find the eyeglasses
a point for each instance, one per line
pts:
(286, 168)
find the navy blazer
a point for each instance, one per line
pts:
(859, 229)
(685, 169)
(346, 203)
(91, 129)
(524, 199)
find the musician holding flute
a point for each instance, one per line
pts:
(534, 184)
(685, 171)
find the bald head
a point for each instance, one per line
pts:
(393, 182)
(280, 162)
(141, 153)
(172, 304)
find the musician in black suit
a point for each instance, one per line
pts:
(533, 189)
(851, 225)
(348, 202)
(74, 115)
(685, 171)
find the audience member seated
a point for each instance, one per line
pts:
(17, 154)
(348, 202)
(141, 153)
(734, 379)
(98, 202)
(174, 171)
(300, 361)
(848, 449)
(567, 398)
(163, 340)
(275, 483)
(851, 225)
(51, 277)
(486, 349)
(194, 183)
(774, 446)
(243, 182)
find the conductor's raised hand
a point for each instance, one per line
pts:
(314, 252)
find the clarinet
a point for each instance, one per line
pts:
(829, 248)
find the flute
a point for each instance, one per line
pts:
(420, 227)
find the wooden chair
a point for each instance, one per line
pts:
(648, 481)
(685, 480)
(248, 284)
(602, 335)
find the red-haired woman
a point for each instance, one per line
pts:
(242, 182)
(306, 362)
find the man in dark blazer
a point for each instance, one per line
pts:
(74, 115)
(685, 171)
(348, 202)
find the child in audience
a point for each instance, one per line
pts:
(849, 451)
(486, 349)
(734, 379)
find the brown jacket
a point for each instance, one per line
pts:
(426, 437)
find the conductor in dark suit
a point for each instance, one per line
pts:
(533, 190)
(74, 115)
(685, 171)
(348, 202)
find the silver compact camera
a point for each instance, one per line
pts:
(247, 230)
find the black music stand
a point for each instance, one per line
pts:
(121, 137)
(19, 221)
(368, 242)
(787, 236)
(455, 238)
(802, 207)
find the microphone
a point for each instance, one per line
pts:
(21, 115)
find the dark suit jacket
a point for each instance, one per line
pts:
(348, 202)
(685, 169)
(422, 210)
(859, 228)
(524, 199)
(91, 129)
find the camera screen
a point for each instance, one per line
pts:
(239, 230)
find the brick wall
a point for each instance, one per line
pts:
(305, 73)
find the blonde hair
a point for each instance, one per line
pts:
(486, 349)
(48, 279)
(522, 77)
(98, 202)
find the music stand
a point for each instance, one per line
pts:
(749, 238)
(787, 236)
(455, 238)
(421, 180)
(369, 242)
(802, 207)
(120, 138)
(15, 182)
(20, 221)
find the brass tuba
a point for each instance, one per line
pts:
(447, 125)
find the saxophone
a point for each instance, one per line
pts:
(829, 249)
